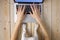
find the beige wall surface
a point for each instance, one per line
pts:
(4, 20)
(51, 17)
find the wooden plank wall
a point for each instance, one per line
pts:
(56, 19)
(51, 17)
(47, 15)
(4, 20)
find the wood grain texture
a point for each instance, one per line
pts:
(47, 16)
(55, 19)
(4, 20)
